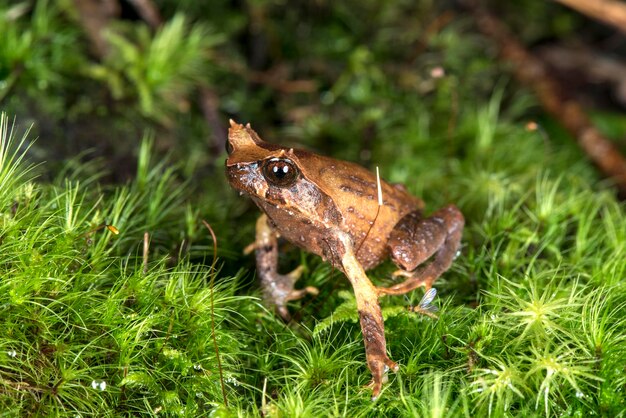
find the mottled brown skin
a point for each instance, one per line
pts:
(327, 207)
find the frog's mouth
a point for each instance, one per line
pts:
(245, 178)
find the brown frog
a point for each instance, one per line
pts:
(328, 207)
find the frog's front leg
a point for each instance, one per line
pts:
(278, 288)
(370, 316)
(415, 240)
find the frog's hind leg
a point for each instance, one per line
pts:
(278, 288)
(370, 317)
(415, 240)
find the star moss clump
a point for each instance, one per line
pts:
(90, 326)
(99, 318)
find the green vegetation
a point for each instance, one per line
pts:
(532, 314)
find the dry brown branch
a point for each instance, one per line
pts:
(532, 72)
(95, 16)
(593, 65)
(277, 78)
(610, 12)
(148, 12)
(209, 103)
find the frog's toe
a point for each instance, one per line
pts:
(300, 293)
(295, 274)
(401, 273)
(250, 248)
(391, 365)
(414, 281)
(379, 370)
(375, 387)
(379, 375)
(283, 312)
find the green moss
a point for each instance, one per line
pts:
(531, 314)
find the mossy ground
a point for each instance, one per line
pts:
(532, 315)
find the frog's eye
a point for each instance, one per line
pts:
(280, 172)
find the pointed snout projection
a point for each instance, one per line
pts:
(245, 145)
(241, 137)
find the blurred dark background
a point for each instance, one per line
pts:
(345, 78)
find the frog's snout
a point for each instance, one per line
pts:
(234, 175)
(245, 178)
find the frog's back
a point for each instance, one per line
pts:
(354, 192)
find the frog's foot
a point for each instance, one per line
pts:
(379, 369)
(437, 238)
(296, 294)
(414, 280)
(279, 289)
(295, 274)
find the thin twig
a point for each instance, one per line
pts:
(380, 204)
(610, 12)
(212, 288)
(277, 80)
(146, 248)
(532, 72)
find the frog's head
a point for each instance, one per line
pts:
(255, 166)
(275, 177)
